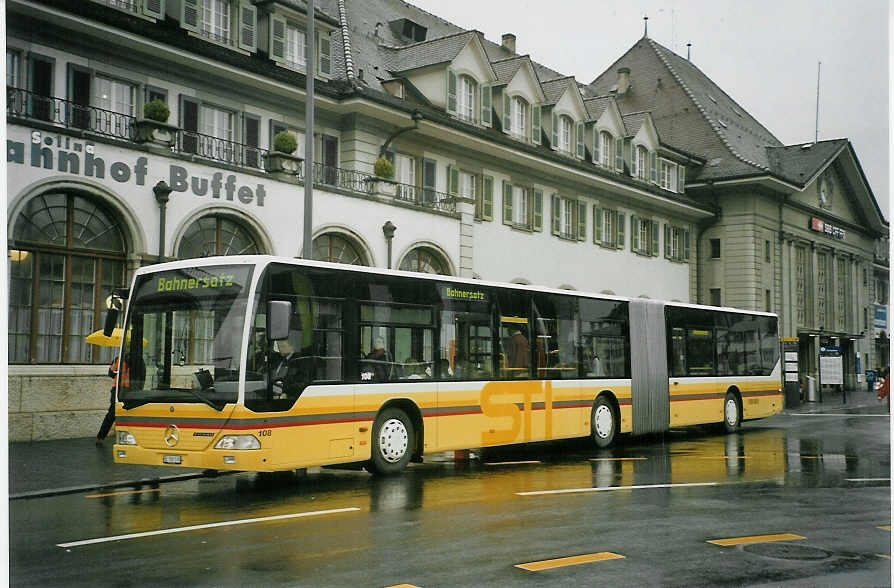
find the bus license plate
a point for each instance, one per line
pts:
(172, 459)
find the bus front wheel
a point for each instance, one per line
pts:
(731, 416)
(392, 442)
(604, 422)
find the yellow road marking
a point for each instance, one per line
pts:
(724, 457)
(497, 463)
(403, 586)
(618, 458)
(885, 527)
(755, 539)
(547, 564)
(123, 492)
(883, 555)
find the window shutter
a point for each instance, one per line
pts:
(686, 245)
(619, 154)
(324, 54)
(596, 141)
(654, 234)
(535, 124)
(507, 203)
(154, 8)
(189, 15)
(555, 136)
(579, 136)
(597, 225)
(452, 180)
(668, 249)
(620, 224)
(634, 234)
(507, 113)
(486, 105)
(277, 38)
(487, 198)
(251, 138)
(634, 162)
(681, 178)
(581, 220)
(654, 167)
(248, 27)
(537, 208)
(557, 215)
(189, 122)
(451, 91)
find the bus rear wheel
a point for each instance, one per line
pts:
(603, 422)
(392, 442)
(731, 416)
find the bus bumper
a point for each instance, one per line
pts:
(257, 460)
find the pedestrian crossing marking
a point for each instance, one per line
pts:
(548, 564)
(755, 539)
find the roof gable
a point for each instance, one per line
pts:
(642, 129)
(566, 98)
(525, 83)
(610, 120)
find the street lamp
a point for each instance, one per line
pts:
(162, 195)
(388, 229)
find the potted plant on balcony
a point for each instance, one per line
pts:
(382, 183)
(280, 159)
(153, 127)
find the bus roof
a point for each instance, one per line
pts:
(264, 260)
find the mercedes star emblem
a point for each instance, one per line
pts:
(172, 435)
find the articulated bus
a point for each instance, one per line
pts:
(262, 363)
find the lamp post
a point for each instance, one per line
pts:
(309, 70)
(162, 195)
(388, 229)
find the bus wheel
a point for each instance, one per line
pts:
(604, 422)
(392, 437)
(731, 416)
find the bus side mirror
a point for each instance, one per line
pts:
(278, 313)
(111, 321)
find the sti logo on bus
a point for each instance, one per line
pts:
(515, 401)
(178, 284)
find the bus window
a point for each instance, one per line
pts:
(691, 342)
(699, 352)
(467, 343)
(605, 340)
(396, 342)
(515, 335)
(556, 343)
(769, 344)
(678, 352)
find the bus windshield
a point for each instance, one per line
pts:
(183, 337)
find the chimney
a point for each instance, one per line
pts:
(623, 80)
(509, 42)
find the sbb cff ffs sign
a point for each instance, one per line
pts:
(821, 226)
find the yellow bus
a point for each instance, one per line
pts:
(261, 363)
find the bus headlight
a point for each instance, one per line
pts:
(238, 442)
(125, 438)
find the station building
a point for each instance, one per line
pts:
(646, 182)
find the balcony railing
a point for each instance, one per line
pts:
(222, 150)
(347, 179)
(65, 113)
(425, 197)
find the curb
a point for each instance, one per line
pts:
(111, 485)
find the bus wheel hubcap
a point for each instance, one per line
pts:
(732, 411)
(602, 421)
(393, 440)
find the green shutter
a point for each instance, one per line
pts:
(668, 242)
(324, 54)
(654, 235)
(487, 198)
(579, 137)
(595, 145)
(154, 8)
(486, 105)
(619, 154)
(451, 91)
(654, 167)
(555, 136)
(681, 178)
(535, 124)
(620, 241)
(581, 220)
(537, 208)
(452, 180)
(507, 113)
(248, 26)
(634, 234)
(557, 214)
(597, 225)
(189, 15)
(686, 245)
(277, 38)
(507, 203)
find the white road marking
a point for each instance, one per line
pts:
(825, 414)
(868, 479)
(206, 526)
(608, 488)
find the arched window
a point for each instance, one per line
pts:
(641, 163)
(423, 259)
(518, 110)
(338, 249)
(565, 124)
(605, 149)
(465, 98)
(216, 235)
(66, 254)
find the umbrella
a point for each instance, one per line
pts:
(97, 338)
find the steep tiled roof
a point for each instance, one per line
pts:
(799, 163)
(425, 53)
(507, 68)
(633, 122)
(596, 106)
(553, 89)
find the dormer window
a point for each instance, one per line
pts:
(288, 46)
(518, 113)
(296, 47)
(605, 149)
(226, 22)
(640, 162)
(216, 20)
(465, 98)
(563, 135)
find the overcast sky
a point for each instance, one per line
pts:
(764, 54)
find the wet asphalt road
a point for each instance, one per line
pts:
(812, 493)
